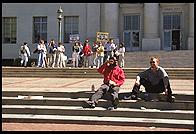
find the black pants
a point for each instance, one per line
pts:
(103, 89)
(159, 88)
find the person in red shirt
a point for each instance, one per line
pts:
(114, 77)
(87, 51)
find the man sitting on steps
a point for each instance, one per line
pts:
(113, 78)
(154, 79)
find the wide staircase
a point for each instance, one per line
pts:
(69, 107)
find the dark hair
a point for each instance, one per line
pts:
(25, 43)
(113, 58)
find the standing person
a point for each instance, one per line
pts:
(53, 50)
(61, 61)
(113, 78)
(154, 79)
(24, 53)
(87, 51)
(94, 55)
(75, 54)
(113, 47)
(108, 51)
(121, 55)
(41, 54)
(81, 58)
(100, 54)
(51, 55)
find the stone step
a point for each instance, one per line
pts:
(98, 111)
(178, 73)
(172, 123)
(82, 76)
(168, 59)
(78, 94)
(51, 101)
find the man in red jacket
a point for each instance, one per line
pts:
(113, 78)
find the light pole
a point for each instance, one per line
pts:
(59, 17)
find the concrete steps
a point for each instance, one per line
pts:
(168, 59)
(130, 73)
(69, 107)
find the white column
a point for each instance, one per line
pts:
(93, 19)
(151, 40)
(191, 27)
(109, 19)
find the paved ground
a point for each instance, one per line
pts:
(80, 84)
(75, 85)
(79, 127)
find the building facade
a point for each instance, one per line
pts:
(141, 26)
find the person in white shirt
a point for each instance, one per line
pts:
(61, 61)
(24, 54)
(41, 54)
(121, 55)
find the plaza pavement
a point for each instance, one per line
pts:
(80, 84)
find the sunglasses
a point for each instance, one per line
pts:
(152, 62)
(111, 61)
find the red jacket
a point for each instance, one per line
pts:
(87, 50)
(115, 74)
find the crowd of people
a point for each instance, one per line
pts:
(108, 58)
(83, 54)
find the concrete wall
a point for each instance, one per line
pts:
(94, 17)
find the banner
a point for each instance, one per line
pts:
(102, 36)
(74, 38)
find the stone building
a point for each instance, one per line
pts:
(142, 26)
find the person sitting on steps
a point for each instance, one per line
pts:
(154, 79)
(113, 78)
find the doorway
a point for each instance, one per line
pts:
(131, 40)
(175, 39)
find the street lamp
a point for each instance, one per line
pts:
(59, 17)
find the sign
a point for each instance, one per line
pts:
(74, 37)
(102, 36)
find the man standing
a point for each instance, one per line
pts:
(113, 78)
(154, 79)
(24, 53)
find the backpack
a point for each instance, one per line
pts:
(22, 50)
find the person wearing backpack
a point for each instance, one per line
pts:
(24, 54)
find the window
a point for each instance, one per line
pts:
(132, 22)
(171, 22)
(131, 32)
(71, 26)
(39, 29)
(9, 30)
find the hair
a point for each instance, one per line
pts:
(157, 58)
(25, 43)
(113, 58)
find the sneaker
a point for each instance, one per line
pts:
(170, 98)
(112, 108)
(131, 97)
(90, 104)
(127, 97)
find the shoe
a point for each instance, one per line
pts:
(90, 104)
(131, 97)
(170, 98)
(127, 98)
(112, 108)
